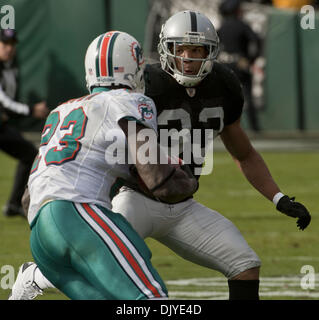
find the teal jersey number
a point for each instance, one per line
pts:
(50, 127)
(69, 145)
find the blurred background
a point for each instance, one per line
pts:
(53, 36)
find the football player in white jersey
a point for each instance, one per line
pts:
(81, 246)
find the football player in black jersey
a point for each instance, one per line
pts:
(192, 91)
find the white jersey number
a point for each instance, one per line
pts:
(185, 118)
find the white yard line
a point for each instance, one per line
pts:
(222, 295)
(297, 258)
(283, 286)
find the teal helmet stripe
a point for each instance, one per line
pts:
(97, 57)
(110, 54)
(105, 45)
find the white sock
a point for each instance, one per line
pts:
(41, 280)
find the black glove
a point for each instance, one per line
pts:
(294, 209)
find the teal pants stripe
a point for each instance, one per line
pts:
(76, 259)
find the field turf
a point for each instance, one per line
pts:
(283, 249)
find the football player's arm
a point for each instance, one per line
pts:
(249, 160)
(256, 171)
(39, 110)
(25, 201)
(169, 183)
(13, 106)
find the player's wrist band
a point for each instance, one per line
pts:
(163, 181)
(277, 197)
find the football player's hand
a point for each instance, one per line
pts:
(25, 201)
(294, 209)
(40, 110)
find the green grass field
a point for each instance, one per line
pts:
(282, 248)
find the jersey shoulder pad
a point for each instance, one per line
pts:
(229, 79)
(145, 106)
(157, 81)
(232, 92)
(139, 107)
(141, 99)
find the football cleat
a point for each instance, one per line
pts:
(25, 288)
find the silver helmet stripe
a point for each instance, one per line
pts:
(189, 28)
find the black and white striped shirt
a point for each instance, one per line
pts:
(8, 88)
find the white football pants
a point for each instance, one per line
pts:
(193, 231)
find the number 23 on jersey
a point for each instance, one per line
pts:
(67, 133)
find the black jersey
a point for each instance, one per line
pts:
(215, 103)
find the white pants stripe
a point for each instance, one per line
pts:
(140, 274)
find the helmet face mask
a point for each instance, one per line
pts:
(115, 59)
(191, 29)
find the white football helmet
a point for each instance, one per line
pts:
(112, 59)
(189, 28)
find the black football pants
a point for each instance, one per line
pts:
(14, 144)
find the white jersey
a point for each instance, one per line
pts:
(73, 161)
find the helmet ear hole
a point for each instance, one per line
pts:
(171, 47)
(207, 49)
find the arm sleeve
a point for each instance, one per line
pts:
(13, 106)
(234, 100)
